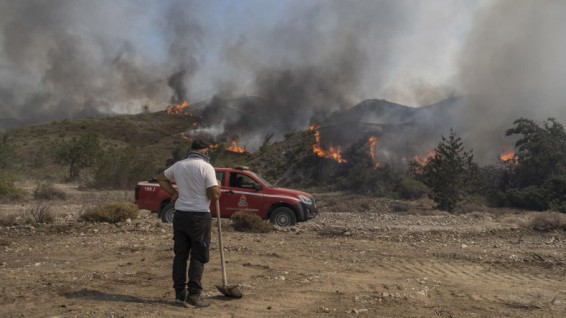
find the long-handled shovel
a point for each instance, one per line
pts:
(225, 289)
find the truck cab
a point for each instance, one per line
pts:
(241, 191)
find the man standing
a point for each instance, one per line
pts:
(196, 187)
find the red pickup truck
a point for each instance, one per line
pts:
(242, 190)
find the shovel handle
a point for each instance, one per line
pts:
(224, 279)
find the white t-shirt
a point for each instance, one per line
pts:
(193, 177)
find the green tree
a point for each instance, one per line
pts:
(121, 169)
(538, 180)
(541, 150)
(448, 171)
(78, 153)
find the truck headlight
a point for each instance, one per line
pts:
(305, 199)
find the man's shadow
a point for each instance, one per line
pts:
(102, 296)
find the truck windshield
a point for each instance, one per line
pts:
(261, 179)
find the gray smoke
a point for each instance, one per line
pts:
(301, 60)
(62, 59)
(304, 59)
(307, 66)
(512, 66)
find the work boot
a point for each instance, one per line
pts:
(197, 301)
(181, 298)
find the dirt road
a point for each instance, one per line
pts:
(359, 258)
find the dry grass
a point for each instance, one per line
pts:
(549, 221)
(41, 213)
(111, 212)
(249, 222)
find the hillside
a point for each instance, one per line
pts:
(285, 160)
(155, 135)
(402, 132)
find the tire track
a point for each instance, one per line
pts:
(460, 271)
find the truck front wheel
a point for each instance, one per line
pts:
(283, 216)
(168, 212)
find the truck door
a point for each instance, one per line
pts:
(220, 175)
(240, 195)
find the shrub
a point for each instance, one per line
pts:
(249, 222)
(409, 188)
(47, 191)
(41, 213)
(549, 221)
(556, 189)
(8, 220)
(40, 157)
(488, 181)
(111, 212)
(8, 190)
(532, 198)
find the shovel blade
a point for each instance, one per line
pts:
(230, 290)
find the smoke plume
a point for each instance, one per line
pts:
(62, 59)
(512, 65)
(297, 61)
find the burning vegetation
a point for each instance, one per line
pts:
(235, 148)
(433, 173)
(423, 160)
(177, 109)
(509, 156)
(372, 142)
(536, 179)
(331, 152)
(180, 109)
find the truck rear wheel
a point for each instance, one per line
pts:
(283, 216)
(168, 212)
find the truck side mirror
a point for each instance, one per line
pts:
(257, 186)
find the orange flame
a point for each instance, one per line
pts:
(372, 141)
(176, 109)
(509, 156)
(235, 148)
(213, 146)
(423, 160)
(334, 153)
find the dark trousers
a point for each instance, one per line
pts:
(191, 232)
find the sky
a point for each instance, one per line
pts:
(75, 58)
